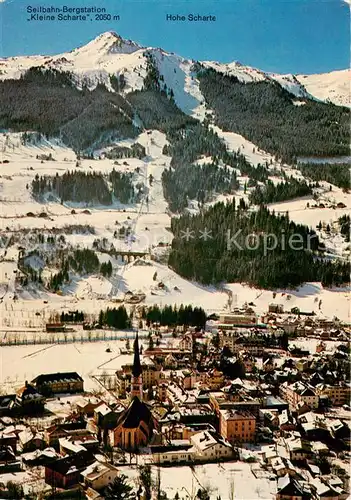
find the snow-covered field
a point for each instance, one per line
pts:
(22, 363)
(219, 479)
(335, 302)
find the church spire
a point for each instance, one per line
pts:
(136, 371)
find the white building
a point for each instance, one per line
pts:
(209, 446)
(99, 475)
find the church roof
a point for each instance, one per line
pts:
(136, 413)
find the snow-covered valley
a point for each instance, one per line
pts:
(135, 237)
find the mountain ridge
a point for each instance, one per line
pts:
(110, 54)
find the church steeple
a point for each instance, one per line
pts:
(136, 388)
(136, 371)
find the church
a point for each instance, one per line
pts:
(136, 424)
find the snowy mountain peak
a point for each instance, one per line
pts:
(107, 43)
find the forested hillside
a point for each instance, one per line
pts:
(195, 182)
(157, 110)
(47, 101)
(85, 187)
(135, 151)
(335, 173)
(282, 191)
(266, 114)
(186, 180)
(228, 244)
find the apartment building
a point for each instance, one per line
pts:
(237, 426)
(338, 394)
(298, 393)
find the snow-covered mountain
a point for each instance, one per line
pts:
(109, 54)
(334, 86)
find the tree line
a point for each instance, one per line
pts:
(173, 316)
(115, 318)
(86, 187)
(271, 193)
(81, 261)
(334, 173)
(135, 151)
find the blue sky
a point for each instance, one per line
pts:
(298, 36)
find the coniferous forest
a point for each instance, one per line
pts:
(185, 180)
(173, 316)
(345, 226)
(282, 191)
(265, 113)
(226, 243)
(338, 174)
(86, 187)
(79, 117)
(196, 182)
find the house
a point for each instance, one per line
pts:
(29, 399)
(7, 404)
(8, 457)
(177, 451)
(162, 391)
(56, 383)
(65, 472)
(291, 489)
(105, 417)
(269, 418)
(299, 392)
(275, 308)
(9, 438)
(39, 458)
(134, 426)
(171, 362)
(98, 475)
(230, 339)
(55, 327)
(298, 449)
(187, 379)
(282, 466)
(237, 426)
(53, 433)
(338, 394)
(86, 407)
(275, 403)
(214, 379)
(74, 444)
(302, 364)
(249, 363)
(30, 440)
(238, 318)
(186, 342)
(268, 365)
(325, 491)
(210, 446)
(286, 423)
